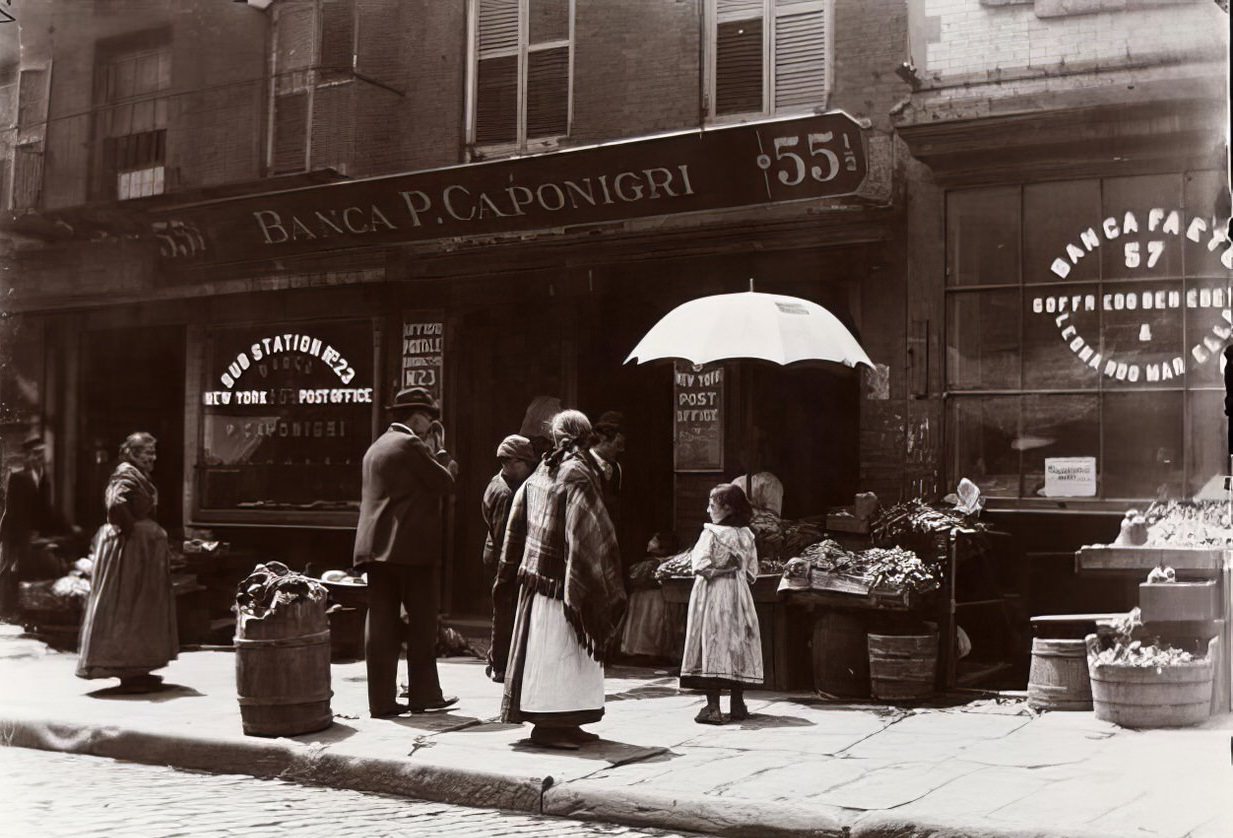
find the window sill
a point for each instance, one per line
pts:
(478, 154)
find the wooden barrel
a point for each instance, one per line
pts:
(282, 670)
(1141, 696)
(840, 654)
(1058, 679)
(902, 667)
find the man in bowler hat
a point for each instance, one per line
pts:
(28, 512)
(399, 543)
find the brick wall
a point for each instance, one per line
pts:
(967, 36)
(870, 42)
(217, 120)
(636, 68)
(429, 115)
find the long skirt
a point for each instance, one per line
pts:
(646, 630)
(552, 680)
(722, 640)
(129, 626)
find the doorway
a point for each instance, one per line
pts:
(131, 380)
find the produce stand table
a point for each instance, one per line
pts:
(1190, 563)
(773, 621)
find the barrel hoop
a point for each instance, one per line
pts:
(257, 701)
(285, 642)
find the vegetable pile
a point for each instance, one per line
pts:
(272, 585)
(1204, 523)
(914, 517)
(1129, 649)
(891, 568)
(677, 565)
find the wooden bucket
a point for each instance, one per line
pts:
(902, 667)
(282, 670)
(1167, 696)
(1058, 679)
(840, 654)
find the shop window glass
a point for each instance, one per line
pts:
(1056, 426)
(982, 351)
(982, 432)
(1208, 330)
(1142, 453)
(1142, 335)
(1054, 216)
(982, 236)
(1205, 444)
(1141, 227)
(1207, 214)
(1061, 336)
(286, 416)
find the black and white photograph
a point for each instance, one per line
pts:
(665, 418)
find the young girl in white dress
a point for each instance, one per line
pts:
(723, 645)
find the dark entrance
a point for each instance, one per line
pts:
(131, 380)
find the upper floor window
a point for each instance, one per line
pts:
(132, 120)
(313, 47)
(520, 73)
(767, 57)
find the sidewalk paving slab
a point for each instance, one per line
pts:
(799, 766)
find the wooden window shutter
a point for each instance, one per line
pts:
(289, 149)
(548, 92)
(800, 54)
(739, 66)
(496, 87)
(496, 100)
(294, 42)
(337, 38)
(32, 97)
(498, 25)
(27, 176)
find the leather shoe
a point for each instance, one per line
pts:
(440, 704)
(389, 712)
(553, 738)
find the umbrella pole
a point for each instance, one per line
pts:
(747, 414)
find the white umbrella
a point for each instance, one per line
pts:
(750, 324)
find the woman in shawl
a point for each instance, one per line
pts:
(129, 627)
(723, 645)
(559, 597)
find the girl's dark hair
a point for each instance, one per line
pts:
(740, 513)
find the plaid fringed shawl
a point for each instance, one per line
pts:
(561, 540)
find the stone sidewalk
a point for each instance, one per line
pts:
(798, 766)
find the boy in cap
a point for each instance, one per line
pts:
(517, 459)
(399, 542)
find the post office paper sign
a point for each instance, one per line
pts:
(1070, 477)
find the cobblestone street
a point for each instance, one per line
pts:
(51, 794)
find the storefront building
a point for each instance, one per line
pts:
(253, 286)
(1073, 244)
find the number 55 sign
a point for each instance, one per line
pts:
(821, 158)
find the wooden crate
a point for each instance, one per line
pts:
(1102, 557)
(1174, 601)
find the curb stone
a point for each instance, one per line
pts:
(283, 759)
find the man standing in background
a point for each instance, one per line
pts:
(399, 543)
(607, 447)
(27, 513)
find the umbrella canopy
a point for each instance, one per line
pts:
(770, 327)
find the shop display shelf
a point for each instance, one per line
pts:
(1142, 559)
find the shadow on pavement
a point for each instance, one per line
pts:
(164, 692)
(613, 753)
(760, 721)
(336, 732)
(436, 722)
